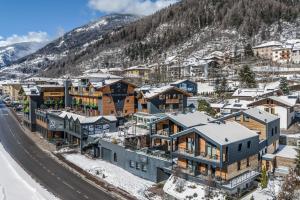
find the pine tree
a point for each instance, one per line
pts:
(205, 107)
(264, 178)
(218, 87)
(284, 85)
(247, 77)
(224, 85)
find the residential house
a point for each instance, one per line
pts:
(265, 124)
(140, 72)
(190, 87)
(103, 97)
(282, 106)
(252, 94)
(265, 50)
(282, 54)
(296, 54)
(163, 99)
(220, 154)
(161, 130)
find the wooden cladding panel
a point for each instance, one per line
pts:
(232, 170)
(202, 145)
(108, 106)
(128, 105)
(41, 123)
(252, 125)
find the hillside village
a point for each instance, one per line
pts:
(203, 129)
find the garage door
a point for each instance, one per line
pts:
(106, 154)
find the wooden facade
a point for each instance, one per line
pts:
(116, 98)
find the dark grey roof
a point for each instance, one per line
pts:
(226, 133)
(261, 115)
(191, 119)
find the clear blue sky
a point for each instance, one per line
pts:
(43, 20)
(22, 16)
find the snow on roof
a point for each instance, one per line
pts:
(99, 76)
(180, 81)
(190, 119)
(269, 86)
(31, 90)
(286, 151)
(205, 87)
(268, 44)
(292, 41)
(139, 67)
(50, 86)
(85, 119)
(261, 115)
(296, 47)
(286, 100)
(237, 104)
(251, 92)
(217, 105)
(226, 133)
(152, 92)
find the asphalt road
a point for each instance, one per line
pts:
(60, 181)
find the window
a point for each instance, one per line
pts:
(115, 157)
(239, 165)
(127, 100)
(246, 118)
(267, 109)
(276, 130)
(138, 166)
(238, 118)
(272, 131)
(248, 162)
(240, 147)
(112, 112)
(249, 144)
(132, 164)
(273, 111)
(144, 168)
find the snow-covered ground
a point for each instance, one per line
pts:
(268, 193)
(113, 174)
(16, 184)
(190, 190)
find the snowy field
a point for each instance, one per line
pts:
(189, 190)
(16, 184)
(268, 193)
(113, 174)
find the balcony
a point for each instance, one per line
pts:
(163, 132)
(172, 101)
(241, 179)
(186, 151)
(202, 157)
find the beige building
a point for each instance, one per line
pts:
(265, 50)
(282, 54)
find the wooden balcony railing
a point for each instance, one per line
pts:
(172, 101)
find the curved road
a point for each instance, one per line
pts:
(57, 179)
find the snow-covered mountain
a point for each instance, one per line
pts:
(186, 33)
(11, 53)
(69, 45)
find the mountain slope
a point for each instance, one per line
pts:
(11, 53)
(186, 32)
(69, 44)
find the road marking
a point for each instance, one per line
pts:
(70, 186)
(78, 192)
(85, 196)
